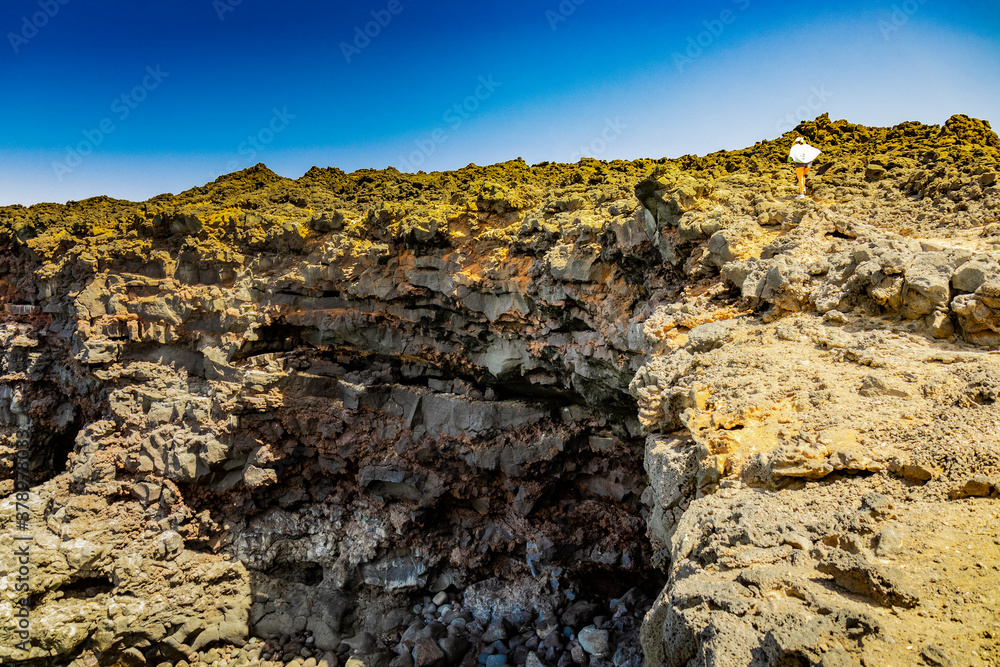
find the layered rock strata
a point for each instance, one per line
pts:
(295, 408)
(474, 417)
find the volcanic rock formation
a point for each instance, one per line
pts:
(486, 416)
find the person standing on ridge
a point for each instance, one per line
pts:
(802, 155)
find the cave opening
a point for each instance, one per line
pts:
(50, 452)
(62, 446)
(570, 517)
(277, 337)
(611, 584)
(87, 587)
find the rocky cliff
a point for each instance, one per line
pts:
(510, 414)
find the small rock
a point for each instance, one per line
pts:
(434, 630)
(971, 275)
(495, 632)
(552, 640)
(875, 172)
(454, 647)
(413, 631)
(884, 585)
(546, 620)
(498, 647)
(873, 386)
(440, 598)
(979, 486)
(936, 655)
(532, 660)
(632, 598)
(328, 659)
(594, 641)
(426, 652)
(939, 325)
(578, 613)
(879, 505)
(706, 337)
(170, 544)
(797, 541)
(913, 472)
(402, 660)
(146, 492)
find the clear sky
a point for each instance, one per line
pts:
(132, 99)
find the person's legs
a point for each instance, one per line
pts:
(801, 173)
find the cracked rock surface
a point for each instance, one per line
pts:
(823, 452)
(510, 414)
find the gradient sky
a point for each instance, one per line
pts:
(132, 99)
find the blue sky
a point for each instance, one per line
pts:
(132, 99)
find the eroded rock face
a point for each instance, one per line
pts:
(472, 417)
(830, 461)
(811, 459)
(297, 420)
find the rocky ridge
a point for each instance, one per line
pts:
(482, 417)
